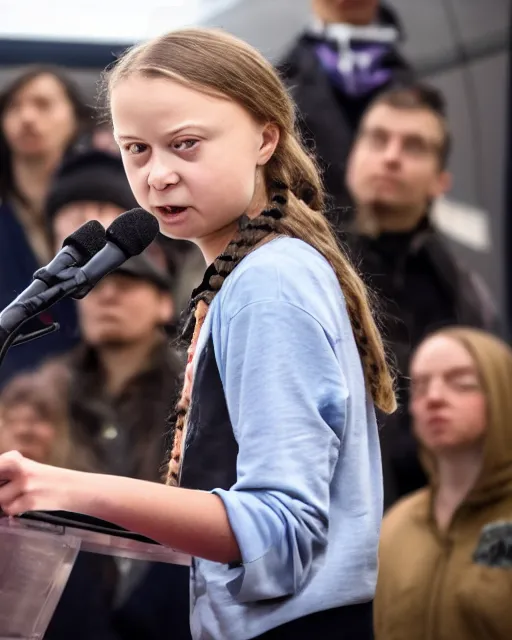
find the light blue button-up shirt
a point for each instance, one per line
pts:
(306, 507)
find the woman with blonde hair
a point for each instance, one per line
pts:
(445, 552)
(274, 478)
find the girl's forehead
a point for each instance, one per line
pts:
(162, 93)
(151, 103)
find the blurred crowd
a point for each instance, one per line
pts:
(98, 394)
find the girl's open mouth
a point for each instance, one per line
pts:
(171, 210)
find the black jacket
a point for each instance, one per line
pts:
(329, 119)
(418, 287)
(84, 609)
(139, 414)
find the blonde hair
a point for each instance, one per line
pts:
(217, 63)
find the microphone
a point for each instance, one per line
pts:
(127, 236)
(77, 249)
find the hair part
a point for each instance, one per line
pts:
(212, 61)
(419, 97)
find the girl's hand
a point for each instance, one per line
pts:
(26, 485)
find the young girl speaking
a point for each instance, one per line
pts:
(275, 472)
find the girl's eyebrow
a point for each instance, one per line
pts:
(171, 132)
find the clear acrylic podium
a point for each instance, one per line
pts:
(37, 554)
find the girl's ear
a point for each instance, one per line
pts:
(269, 141)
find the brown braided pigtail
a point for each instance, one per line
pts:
(312, 226)
(251, 233)
(305, 220)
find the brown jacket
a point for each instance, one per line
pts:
(457, 584)
(138, 414)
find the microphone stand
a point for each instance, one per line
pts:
(27, 337)
(13, 339)
(15, 316)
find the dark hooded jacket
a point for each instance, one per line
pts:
(419, 287)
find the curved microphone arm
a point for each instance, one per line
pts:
(15, 316)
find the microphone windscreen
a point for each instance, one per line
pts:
(133, 231)
(87, 239)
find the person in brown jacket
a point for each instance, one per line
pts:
(446, 551)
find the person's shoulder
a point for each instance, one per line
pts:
(282, 273)
(404, 512)
(290, 63)
(285, 269)
(286, 253)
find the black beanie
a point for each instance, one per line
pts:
(90, 176)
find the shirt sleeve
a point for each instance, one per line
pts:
(286, 396)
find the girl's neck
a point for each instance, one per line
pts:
(215, 243)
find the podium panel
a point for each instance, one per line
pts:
(37, 554)
(34, 569)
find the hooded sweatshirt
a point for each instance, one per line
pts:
(456, 584)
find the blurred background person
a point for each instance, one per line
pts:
(445, 562)
(123, 378)
(396, 169)
(42, 114)
(338, 65)
(34, 421)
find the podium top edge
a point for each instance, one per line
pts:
(94, 541)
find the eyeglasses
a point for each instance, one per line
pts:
(412, 145)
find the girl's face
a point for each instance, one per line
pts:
(191, 159)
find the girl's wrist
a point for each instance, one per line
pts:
(80, 492)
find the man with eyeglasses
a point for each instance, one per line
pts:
(396, 170)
